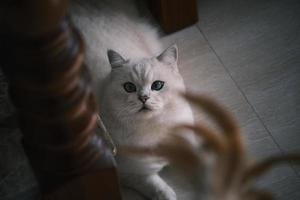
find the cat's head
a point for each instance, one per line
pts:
(144, 87)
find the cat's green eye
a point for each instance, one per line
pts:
(157, 85)
(129, 87)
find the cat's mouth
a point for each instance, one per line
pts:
(144, 108)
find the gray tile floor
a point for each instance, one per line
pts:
(247, 55)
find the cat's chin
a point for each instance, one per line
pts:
(145, 112)
(145, 109)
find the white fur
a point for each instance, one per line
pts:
(139, 45)
(106, 26)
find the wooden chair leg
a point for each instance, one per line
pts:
(174, 15)
(42, 55)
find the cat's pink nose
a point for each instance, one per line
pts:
(143, 98)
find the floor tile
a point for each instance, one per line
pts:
(264, 148)
(204, 74)
(259, 43)
(287, 188)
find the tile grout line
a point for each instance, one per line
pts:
(245, 97)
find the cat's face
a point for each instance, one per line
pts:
(144, 88)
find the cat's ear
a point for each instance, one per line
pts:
(115, 59)
(169, 56)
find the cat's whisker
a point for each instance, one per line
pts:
(132, 104)
(124, 111)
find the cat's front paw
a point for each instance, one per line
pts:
(166, 193)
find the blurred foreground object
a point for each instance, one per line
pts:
(221, 170)
(42, 58)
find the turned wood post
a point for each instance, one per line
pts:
(42, 55)
(174, 15)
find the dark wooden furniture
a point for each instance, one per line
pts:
(174, 15)
(41, 54)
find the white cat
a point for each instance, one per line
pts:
(140, 104)
(139, 100)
